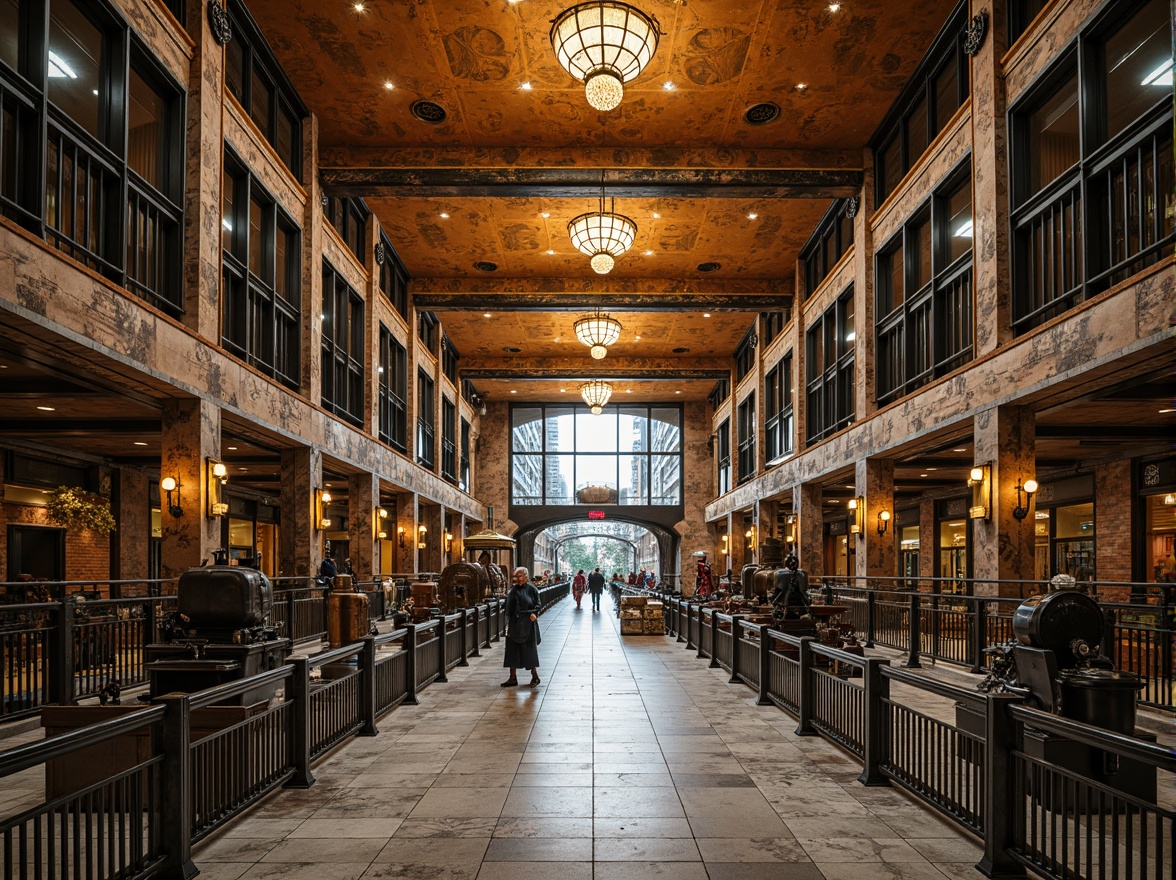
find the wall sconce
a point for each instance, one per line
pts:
(218, 475)
(726, 539)
(381, 515)
(858, 508)
(750, 535)
(980, 481)
(790, 521)
(883, 521)
(421, 530)
(448, 541)
(322, 499)
(170, 485)
(1022, 510)
(400, 536)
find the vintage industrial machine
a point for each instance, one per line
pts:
(221, 632)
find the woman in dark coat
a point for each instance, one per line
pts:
(522, 629)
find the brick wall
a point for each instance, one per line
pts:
(87, 554)
(1113, 519)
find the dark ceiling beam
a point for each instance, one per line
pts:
(1124, 433)
(81, 427)
(613, 302)
(585, 183)
(537, 371)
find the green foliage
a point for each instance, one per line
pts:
(76, 509)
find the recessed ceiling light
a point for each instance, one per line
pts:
(242, 469)
(1162, 411)
(550, 252)
(563, 391)
(752, 215)
(668, 86)
(961, 449)
(922, 475)
(800, 87)
(388, 85)
(512, 391)
(834, 7)
(140, 443)
(444, 216)
(47, 408)
(526, 87)
(932, 469)
(834, 500)
(628, 390)
(485, 314)
(231, 448)
(358, 7)
(677, 392)
(656, 215)
(649, 253)
(706, 314)
(544, 214)
(636, 338)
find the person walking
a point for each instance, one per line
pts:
(522, 629)
(596, 586)
(579, 585)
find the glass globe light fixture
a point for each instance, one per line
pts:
(604, 44)
(596, 394)
(597, 331)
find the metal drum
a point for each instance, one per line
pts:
(224, 597)
(1055, 620)
(347, 618)
(461, 584)
(1102, 697)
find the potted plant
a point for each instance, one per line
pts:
(76, 509)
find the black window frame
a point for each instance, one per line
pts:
(393, 277)
(343, 346)
(829, 382)
(773, 325)
(746, 427)
(829, 242)
(719, 393)
(745, 353)
(1064, 237)
(465, 462)
(448, 439)
(723, 458)
(928, 332)
(1022, 14)
(349, 218)
(947, 48)
(393, 371)
(779, 397)
(426, 453)
(258, 57)
(449, 359)
(271, 338)
(429, 331)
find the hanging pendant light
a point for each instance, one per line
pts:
(596, 394)
(602, 235)
(604, 44)
(598, 331)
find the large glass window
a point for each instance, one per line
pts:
(342, 347)
(828, 244)
(254, 77)
(449, 359)
(426, 454)
(349, 217)
(745, 354)
(931, 97)
(563, 454)
(448, 440)
(723, 458)
(829, 371)
(778, 424)
(924, 308)
(393, 277)
(746, 427)
(463, 482)
(261, 277)
(1092, 165)
(393, 391)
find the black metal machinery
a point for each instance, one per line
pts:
(220, 633)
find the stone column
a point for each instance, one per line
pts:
(429, 556)
(875, 557)
(404, 533)
(990, 183)
(928, 542)
(363, 497)
(795, 333)
(312, 268)
(301, 540)
(205, 160)
(134, 524)
(863, 299)
(810, 528)
(1002, 546)
(191, 430)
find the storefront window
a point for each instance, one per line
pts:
(837, 549)
(953, 556)
(1074, 541)
(1161, 538)
(1041, 545)
(908, 549)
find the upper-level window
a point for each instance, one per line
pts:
(393, 369)
(746, 428)
(254, 77)
(342, 347)
(261, 277)
(829, 360)
(428, 331)
(1021, 15)
(92, 143)
(626, 455)
(723, 457)
(463, 481)
(773, 324)
(923, 285)
(930, 98)
(349, 216)
(719, 393)
(449, 359)
(448, 439)
(393, 277)
(778, 424)
(1091, 164)
(745, 354)
(426, 454)
(828, 243)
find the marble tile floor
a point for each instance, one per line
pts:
(631, 761)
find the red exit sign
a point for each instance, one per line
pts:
(596, 514)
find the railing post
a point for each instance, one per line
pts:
(367, 688)
(679, 607)
(935, 628)
(441, 651)
(735, 620)
(871, 617)
(804, 707)
(300, 739)
(714, 654)
(290, 606)
(176, 789)
(465, 639)
(979, 633)
(496, 618)
(877, 691)
(61, 675)
(477, 625)
(410, 697)
(489, 625)
(765, 661)
(1000, 791)
(150, 623)
(914, 635)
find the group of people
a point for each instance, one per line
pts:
(593, 583)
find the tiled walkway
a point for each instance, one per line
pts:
(631, 760)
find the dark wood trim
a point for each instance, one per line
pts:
(615, 302)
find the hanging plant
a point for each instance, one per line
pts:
(75, 509)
